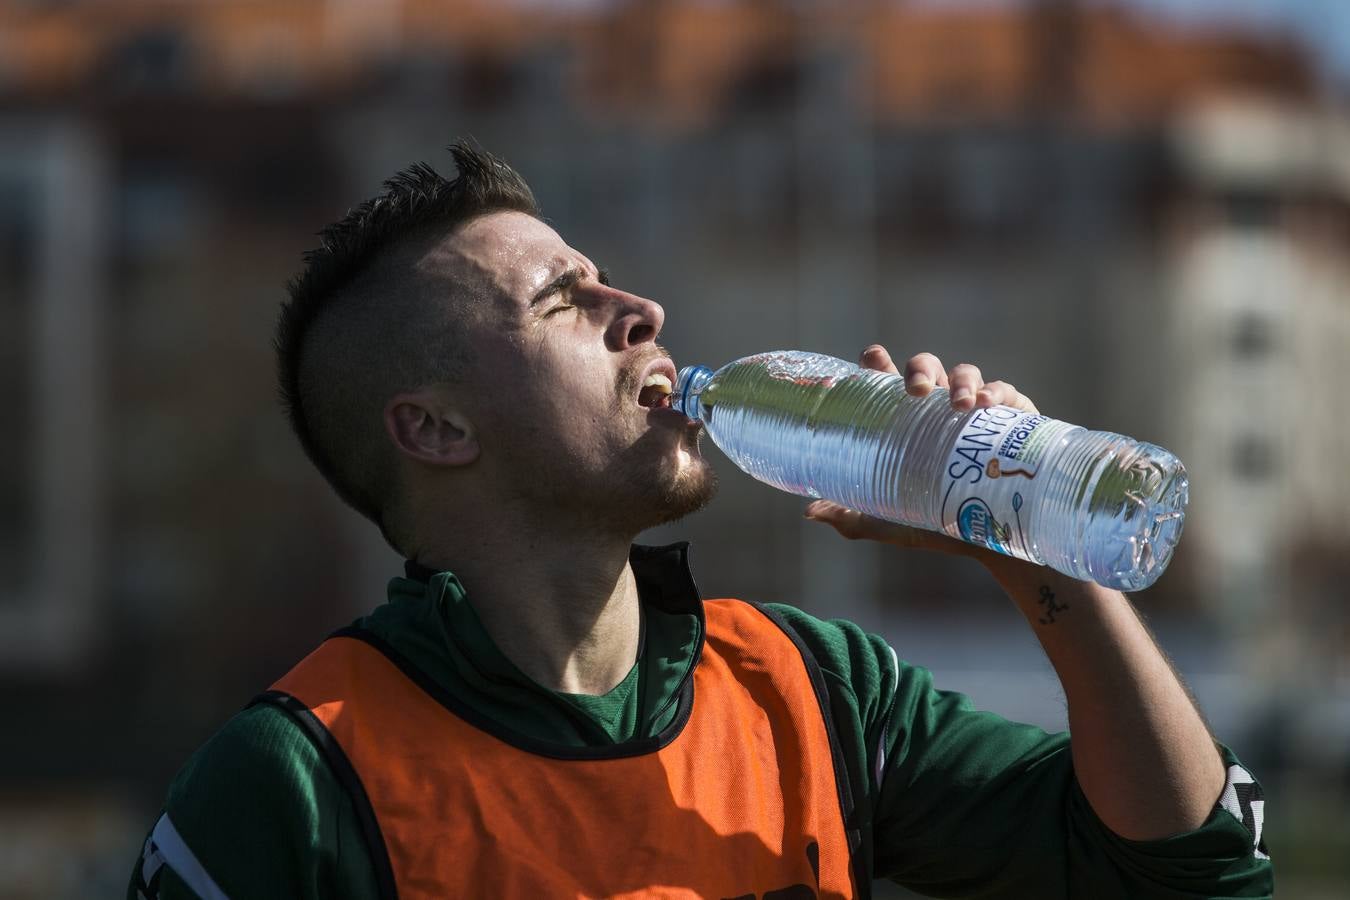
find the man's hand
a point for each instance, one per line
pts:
(968, 390)
(1142, 753)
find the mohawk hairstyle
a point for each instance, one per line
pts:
(355, 332)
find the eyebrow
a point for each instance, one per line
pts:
(566, 280)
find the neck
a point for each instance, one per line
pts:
(561, 603)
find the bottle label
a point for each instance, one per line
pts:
(990, 477)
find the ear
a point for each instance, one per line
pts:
(425, 427)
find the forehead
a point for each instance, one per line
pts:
(510, 254)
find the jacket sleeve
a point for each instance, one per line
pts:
(972, 805)
(256, 812)
(965, 803)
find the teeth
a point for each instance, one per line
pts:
(657, 380)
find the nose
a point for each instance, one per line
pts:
(637, 320)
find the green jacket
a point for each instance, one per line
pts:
(955, 802)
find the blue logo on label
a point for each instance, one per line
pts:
(976, 522)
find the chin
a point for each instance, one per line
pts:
(654, 482)
(690, 491)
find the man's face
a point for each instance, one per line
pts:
(555, 391)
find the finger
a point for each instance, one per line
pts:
(855, 525)
(877, 357)
(994, 393)
(1023, 402)
(1001, 393)
(923, 372)
(965, 380)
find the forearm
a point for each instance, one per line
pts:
(1142, 754)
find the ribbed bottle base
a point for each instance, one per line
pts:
(1113, 510)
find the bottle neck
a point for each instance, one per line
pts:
(688, 386)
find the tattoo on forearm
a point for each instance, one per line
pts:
(1051, 607)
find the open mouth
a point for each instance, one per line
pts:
(655, 393)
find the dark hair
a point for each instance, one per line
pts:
(357, 329)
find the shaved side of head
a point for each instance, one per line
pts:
(364, 323)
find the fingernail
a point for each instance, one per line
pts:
(917, 380)
(960, 394)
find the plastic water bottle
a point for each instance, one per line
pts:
(1092, 504)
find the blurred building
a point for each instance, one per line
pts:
(1144, 229)
(1260, 323)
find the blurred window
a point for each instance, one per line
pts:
(488, 81)
(18, 228)
(52, 234)
(1252, 336)
(760, 184)
(1253, 457)
(989, 183)
(159, 213)
(1249, 208)
(275, 69)
(153, 60)
(766, 84)
(9, 63)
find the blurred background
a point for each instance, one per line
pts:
(1138, 211)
